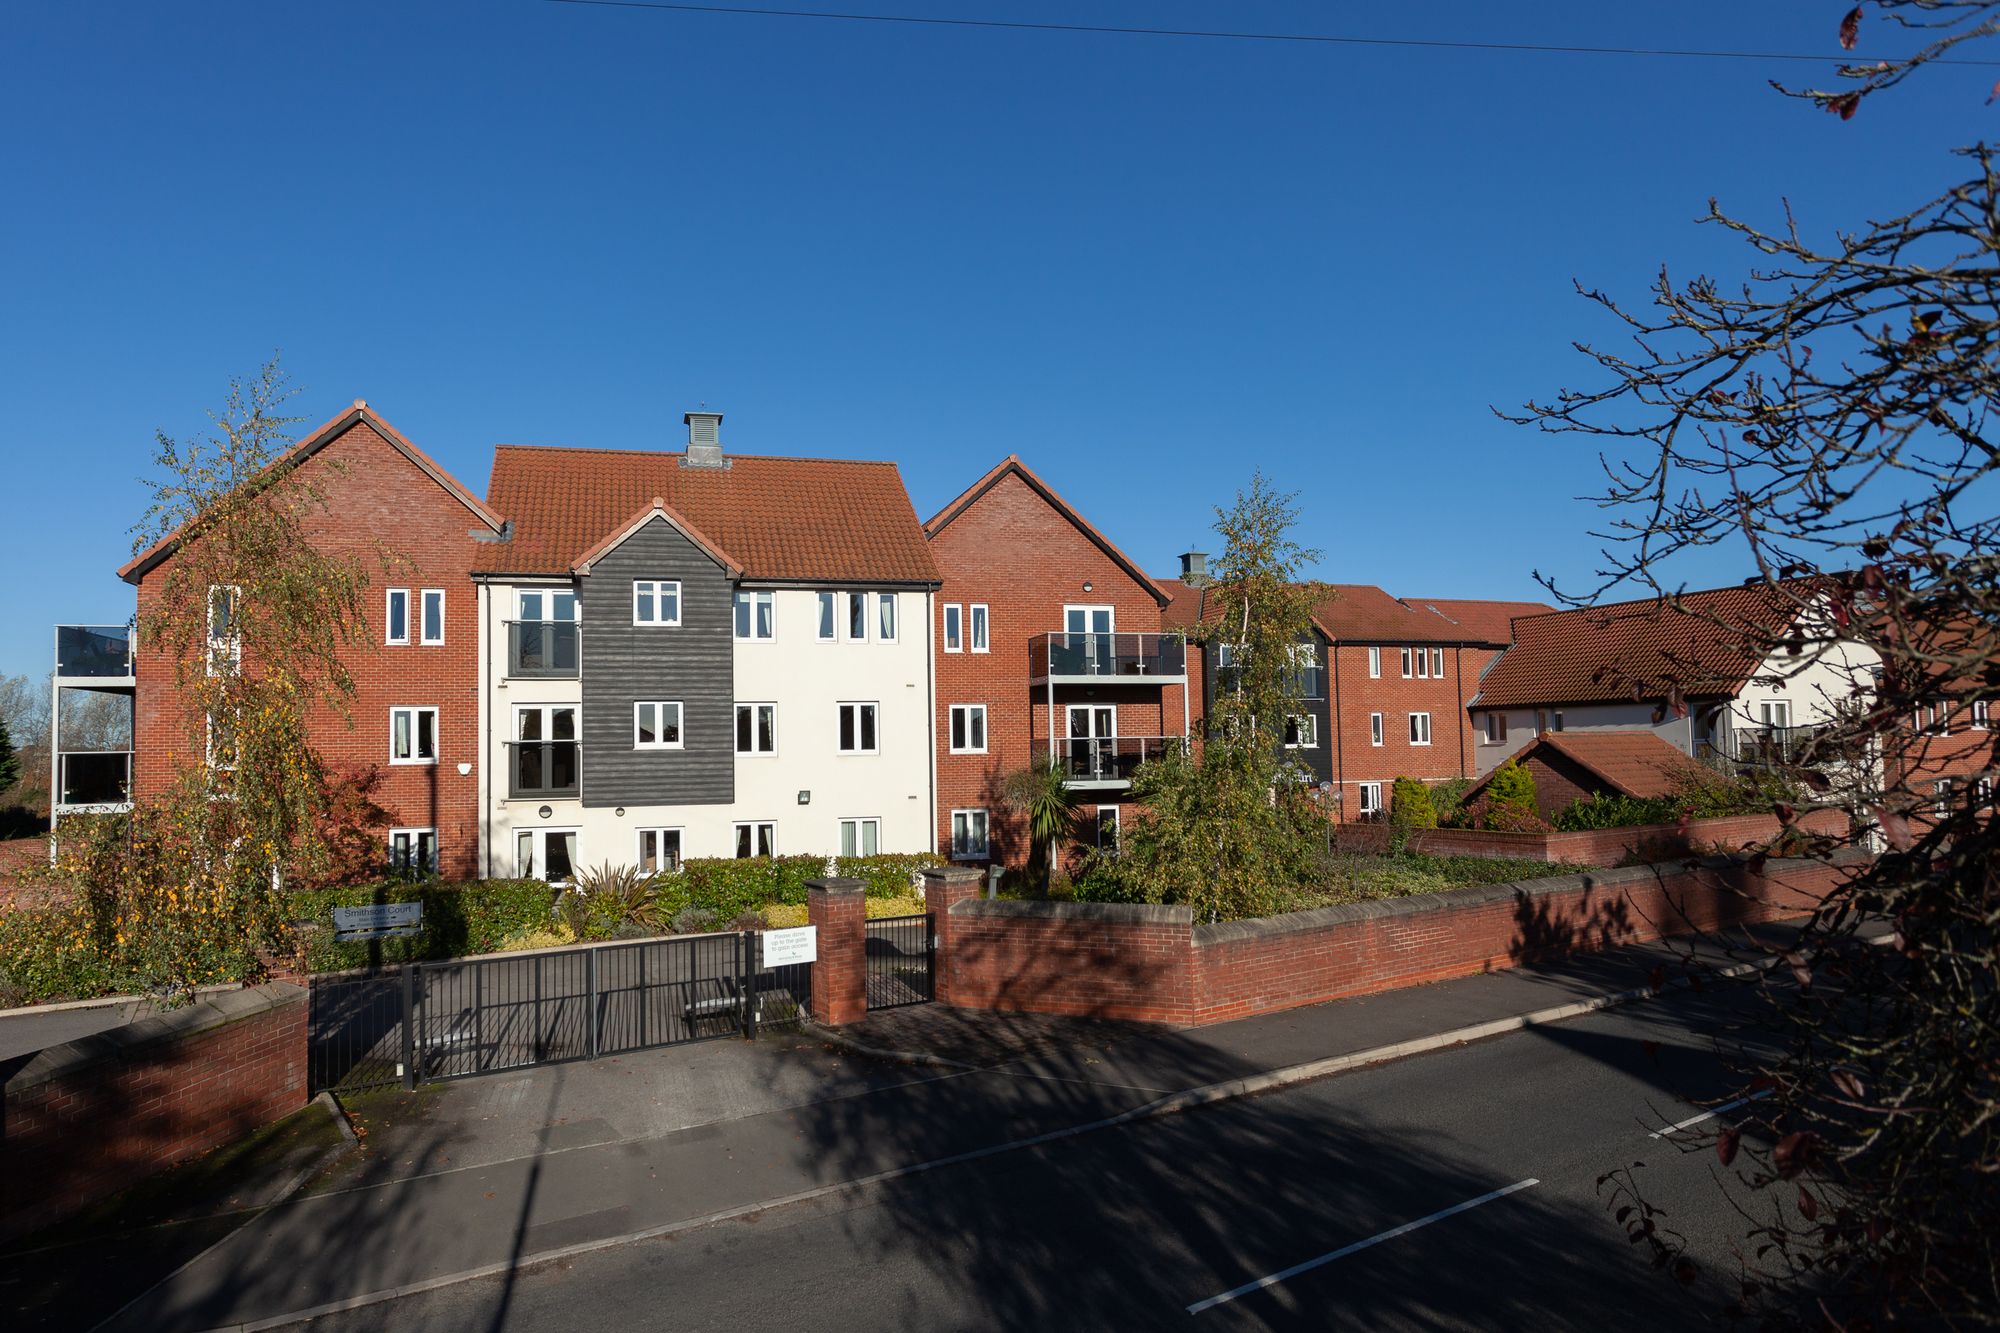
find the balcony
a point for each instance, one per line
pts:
(93, 780)
(542, 768)
(544, 649)
(98, 653)
(1305, 683)
(1110, 761)
(1093, 658)
(1771, 747)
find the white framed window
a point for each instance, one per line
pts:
(396, 617)
(1437, 664)
(757, 837)
(968, 835)
(860, 837)
(225, 635)
(656, 725)
(221, 753)
(413, 851)
(885, 617)
(1983, 789)
(855, 616)
(827, 621)
(1375, 664)
(979, 627)
(1979, 712)
(656, 603)
(857, 729)
(430, 622)
(1302, 732)
(954, 628)
(968, 728)
(1371, 798)
(1408, 672)
(548, 854)
(659, 851)
(1775, 714)
(1375, 729)
(413, 735)
(756, 618)
(1942, 790)
(1494, 728)
(1420, 728)
(1556, 722)
(1106, 829)
(756, 728)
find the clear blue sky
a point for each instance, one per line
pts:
(1147, 265)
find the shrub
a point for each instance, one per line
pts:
(1410, 805)
(1447, 797)
(1509, 802)
(781, 916)
(693, 921)
(1603, 811)
(538, 937)
(458, 919)
(886, 875)
(749, 921)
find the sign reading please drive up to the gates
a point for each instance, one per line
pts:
(797, 945)
(379, 921)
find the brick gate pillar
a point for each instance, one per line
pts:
(943, 887)
(840, 976)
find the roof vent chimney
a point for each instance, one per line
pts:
(1194, 568)
(704, 440)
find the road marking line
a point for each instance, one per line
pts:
(1709, 1115)
(1345, 1250)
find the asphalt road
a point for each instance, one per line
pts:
(1142, 1227)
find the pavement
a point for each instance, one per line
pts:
(965, 1123)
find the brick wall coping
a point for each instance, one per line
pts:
(835, 886)
(1475, 895)
(120, 1043)
(1138, 914)
(954, 874)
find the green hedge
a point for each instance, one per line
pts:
(459, 919)
(890, 874)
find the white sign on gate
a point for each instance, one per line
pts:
(797, 945)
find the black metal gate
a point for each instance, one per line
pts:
(900, 953)
(470, 1016)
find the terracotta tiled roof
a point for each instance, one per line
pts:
(1185, 607)
(137, 568)
(783, 519)
(1480, 621)
(1630, 763)
(939, 521)
(1364, 613)
(1640, 650)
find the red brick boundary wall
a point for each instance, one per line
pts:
(91, 1117)
(838, 908)
(1152, 964)
(944, 887)
(1595, 847)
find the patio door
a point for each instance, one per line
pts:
(1090, 727)
(1089, 633)
(547, 629)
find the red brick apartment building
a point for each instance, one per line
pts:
(1049, 640)
(1387, 685)
(414, 714)
(1946, 756)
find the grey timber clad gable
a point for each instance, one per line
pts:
(623, 663)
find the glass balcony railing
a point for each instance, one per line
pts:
(1305, 682)
(542, 768)
(1133, 656)
(544, 649)
(94, 777)
(1110, 760)
(94, 652)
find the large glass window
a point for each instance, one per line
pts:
(547, 854)
(755, 616)
(413, 851)
(656, 602)
(857, 729)
(860, 837)
(968, 834)
(757, 838)
(413, 735)
(756, 728)
(656, 725)
(659, 850)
